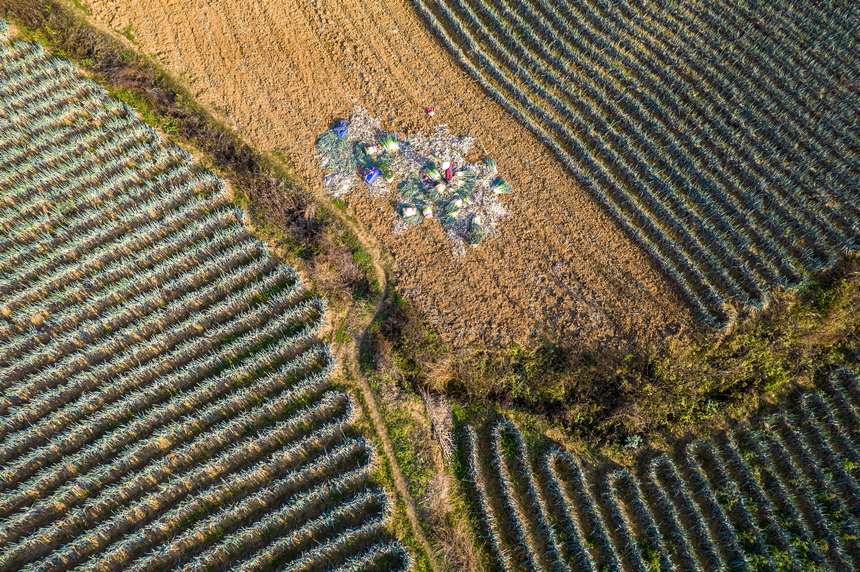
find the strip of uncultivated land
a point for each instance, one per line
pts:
(280, 72)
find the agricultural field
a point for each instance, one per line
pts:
(281, 73)
(779, 494)
(165, 398)
(719, 135)
(717, 150)
(429, 285)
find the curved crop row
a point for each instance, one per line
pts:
(724, 150)
(781, 494)
(164, 398)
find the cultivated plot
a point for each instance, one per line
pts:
(165, 400)
(720, 135)
(281, 72)
(780, 494)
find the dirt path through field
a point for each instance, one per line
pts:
(281, 71)
(349, 355)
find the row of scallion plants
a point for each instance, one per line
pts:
(164, 399)
(720, 135)
(779, 493)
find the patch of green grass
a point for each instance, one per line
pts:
(45, 37)
(362, 259)
(398, 522)
(403, 431)
(82, 6)
(818, 294)
(270, 232)
(128, 32)
(418, 474)
(140, 104)
(527, 373)
(811, 330)
(341, 334)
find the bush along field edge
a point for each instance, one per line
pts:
(621, 397)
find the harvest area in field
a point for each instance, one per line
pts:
(282, 72)
(165, 399)
(426, 177)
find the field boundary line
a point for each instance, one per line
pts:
(350, 357)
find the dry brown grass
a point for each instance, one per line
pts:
(603, 398)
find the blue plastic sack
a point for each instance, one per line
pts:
(341, 128)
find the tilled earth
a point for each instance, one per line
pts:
(281, 71)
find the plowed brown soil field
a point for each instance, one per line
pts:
(280, 71)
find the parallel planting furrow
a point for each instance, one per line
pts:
(665, 483)
(710, 203)
(779, 495)
(527, 539)
(590, 102)
(634, 523)
(487, 513)
(134, 272)
(581, 512)
(700, 295)
(129, 397)
(614, 60)
(165, 400)
(243, 506)
(725, 146)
